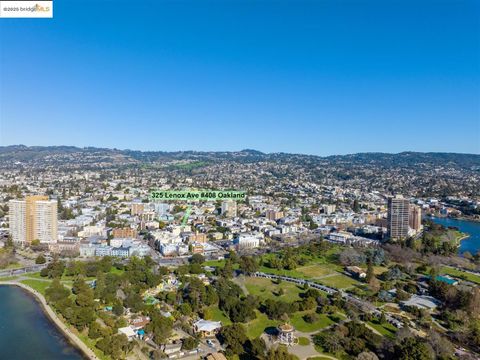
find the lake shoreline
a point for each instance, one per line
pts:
(71, 338)
(470, 238)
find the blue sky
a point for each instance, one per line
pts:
(317, 77)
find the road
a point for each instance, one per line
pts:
(23, 270)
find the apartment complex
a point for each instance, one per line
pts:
(415, 218)
(34, 218)
(398, 217)
(229, 208)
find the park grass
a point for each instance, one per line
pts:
(218, 315)
(257, 326)
(339, 281)
(214, 263)
(35, 275)
(267, 289)
(91, 344)
(8, 278)
(40, 286)
(446, 270)
(387, 330)
(114, 270)
(13, 266)
(301, 325)
(283, 272)
(303, 341)
(379, 270)
(316, 270)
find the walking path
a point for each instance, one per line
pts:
(56, 320)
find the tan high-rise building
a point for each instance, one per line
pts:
(415, 218)
(137, 208)
(125, 232)
(34, 218)
(398, 217)
(273, 215)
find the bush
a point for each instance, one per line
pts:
(189, 343)
(40, 259)
(311, 318)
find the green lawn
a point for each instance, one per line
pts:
(114, 270)
(303, 341)
(38, 285)
(267, 289)
(35, 275)
(316, 270)
(301, 325)
(339, 281)
(218, 315)
(91, 344)
(214, 263)
(460, 274)
(386, 329)
(256, 327)
(292, 273)
(13, 266)
(8, 278)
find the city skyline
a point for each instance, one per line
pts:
(310, 77)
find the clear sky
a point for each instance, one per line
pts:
(317, 77)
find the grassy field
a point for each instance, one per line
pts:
(301, 325)
(339, 281)
(386, 329)
(38, 285)
(91, 344)
(316, 270)
(460, 274)
(303, 341)
(256, 327)
(267, 289)
(218, 315)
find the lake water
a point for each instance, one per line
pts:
(27, 333)
(471, 244)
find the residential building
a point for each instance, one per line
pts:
(398, 217)
(206, 328)
(34, 218)
(229, 208)
(248, 241)
(125, 232)
(415, 218)
(137, 208)
(273, 215)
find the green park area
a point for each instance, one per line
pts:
(37, 285)
(385, 329)
(300, 324)
(268, 289)
(446, 270)
(339, 281)
(257, 327)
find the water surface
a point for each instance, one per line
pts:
(27, 333)
(472, 243)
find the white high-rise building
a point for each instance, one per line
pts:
(17, 211)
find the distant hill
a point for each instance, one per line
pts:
(21, 154)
